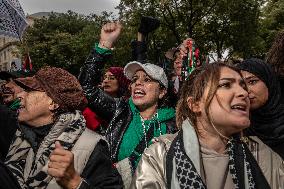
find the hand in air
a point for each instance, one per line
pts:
(109, 34)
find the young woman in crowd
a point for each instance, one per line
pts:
(267, 119)
(114, 84)
(135, 122)
(207, 152)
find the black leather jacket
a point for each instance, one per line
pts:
(114, 110)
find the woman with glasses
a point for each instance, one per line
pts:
(115, 83)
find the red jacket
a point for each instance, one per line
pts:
(93, 122)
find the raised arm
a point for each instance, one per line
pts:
(91, 72)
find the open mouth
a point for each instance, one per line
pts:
(242, 108)
(138, 93)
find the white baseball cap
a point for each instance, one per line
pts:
(154, 71)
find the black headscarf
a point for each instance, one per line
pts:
(267, 122)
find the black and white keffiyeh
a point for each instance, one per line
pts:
(67, 129)
(185, 170)
(243, 167)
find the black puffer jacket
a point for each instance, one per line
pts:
(116, 111)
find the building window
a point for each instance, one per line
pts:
(5, 56)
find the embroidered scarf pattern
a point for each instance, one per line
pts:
(232, 165)
(189, 178)
(67, 129)
(186, 172)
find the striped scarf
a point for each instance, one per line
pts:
(29, 168)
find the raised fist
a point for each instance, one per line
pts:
(109, 34)
(61, 167)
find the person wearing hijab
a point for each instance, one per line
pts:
(267, 118)
(207, 152)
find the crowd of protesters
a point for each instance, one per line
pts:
(199, 125)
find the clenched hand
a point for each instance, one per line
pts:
(61, 167)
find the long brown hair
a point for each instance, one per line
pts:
(195, 85)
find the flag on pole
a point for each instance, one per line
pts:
(27, 63)
(12, 19)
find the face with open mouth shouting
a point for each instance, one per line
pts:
(229, 108)
(145, 91)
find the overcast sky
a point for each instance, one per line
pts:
(79, 6)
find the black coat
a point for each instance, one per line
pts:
(8, 127)
(115, 111)
(99, 172)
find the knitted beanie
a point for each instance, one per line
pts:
(119, 75)
(59, 85)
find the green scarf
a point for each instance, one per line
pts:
(15, 104)
(134, 133)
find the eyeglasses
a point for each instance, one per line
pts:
(109, 77)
